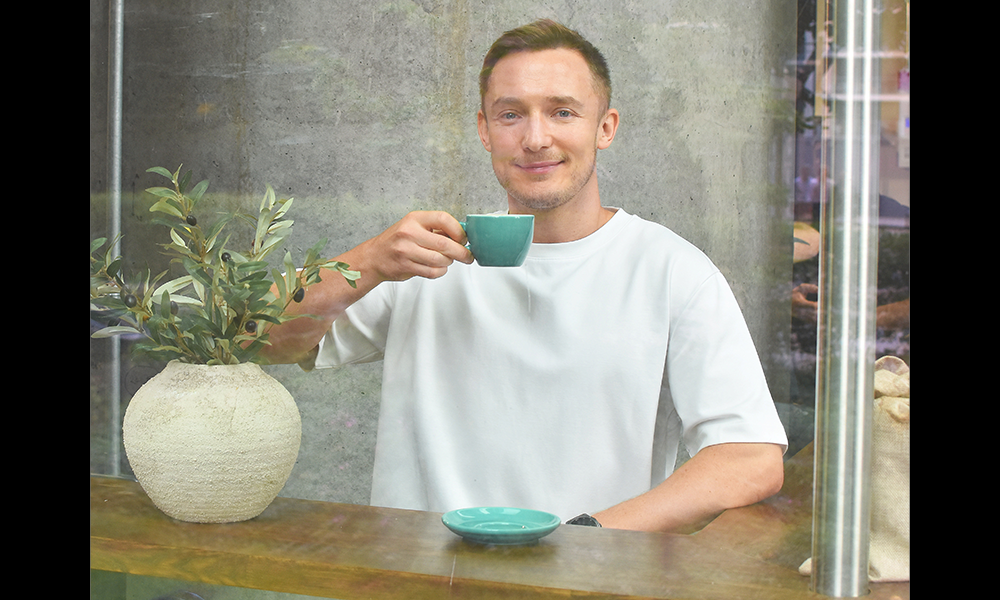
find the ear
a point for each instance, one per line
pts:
(606, 132)
(484, 130)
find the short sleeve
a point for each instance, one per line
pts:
(714, 373)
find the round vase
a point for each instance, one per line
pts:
(212, 444)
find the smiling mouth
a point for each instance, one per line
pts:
(539, 168)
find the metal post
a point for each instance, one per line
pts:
(116, 28)
(846, 350)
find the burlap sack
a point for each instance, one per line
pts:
(889, 542)
(889, 554)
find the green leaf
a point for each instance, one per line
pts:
(113, 268)
(109, 302)
(167, 205)
(181, 299)
(248, 353)
(257, 288)
(213, 233)
(162, 192)
(272, 243)
(258, 239)
(183, 182)
(345, 270)
(237, 297)
(165, 306)
(175, 285)
(178, 239)
(313, 253)
(199, 289)
(283, 207)
(290, 274)
(254, 277)
(268, 200)
(207, 325)
(199, 273)
(236, 257)
(149, 287)
(181, 251)
(161, 171)
(279, 281)
(251, 265)
(108, 258)
(96, 244)
(160, 352)
(199, 190)
(265, 317)
(157, 220)
(204, 346)
(279, 225)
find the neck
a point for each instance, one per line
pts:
(573, 220)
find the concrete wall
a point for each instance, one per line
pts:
(364, 111)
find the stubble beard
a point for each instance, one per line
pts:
(551, 199)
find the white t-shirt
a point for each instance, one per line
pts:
(563, 385)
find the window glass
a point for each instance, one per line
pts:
(363, 113)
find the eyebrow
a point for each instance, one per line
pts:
(560, 100)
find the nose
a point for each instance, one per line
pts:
(537, 135)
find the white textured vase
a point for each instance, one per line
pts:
(212, 444)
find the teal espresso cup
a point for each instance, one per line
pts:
(499, 240)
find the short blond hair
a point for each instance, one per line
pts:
(546, 34)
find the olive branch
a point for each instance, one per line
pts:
(212, 313)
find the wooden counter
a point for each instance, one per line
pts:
(347, 551)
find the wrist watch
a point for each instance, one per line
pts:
(585, 520)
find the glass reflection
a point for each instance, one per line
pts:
(892, 313)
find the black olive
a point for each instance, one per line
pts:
(299, 294)
(130, 300)
(251, 326)
(225, 257)
(173, 307)
(191, 220)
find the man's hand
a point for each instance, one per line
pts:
(804, 305)
(421, 244)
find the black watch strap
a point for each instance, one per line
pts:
(585, 520)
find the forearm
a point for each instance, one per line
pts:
(293, 341)
(422, 244)
(717, 478)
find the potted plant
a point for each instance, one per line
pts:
(211, 438)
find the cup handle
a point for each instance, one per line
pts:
(464, 228)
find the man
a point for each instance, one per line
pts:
(567, 384)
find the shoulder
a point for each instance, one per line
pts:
(651, 242)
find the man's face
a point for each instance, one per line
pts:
(543, 122)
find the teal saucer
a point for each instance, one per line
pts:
(500, 525)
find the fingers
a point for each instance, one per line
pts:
(805, 293)
(441, 223)
(422, 244)
(439, 233)
(804, 303)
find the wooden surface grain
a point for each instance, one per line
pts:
(349, 551)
